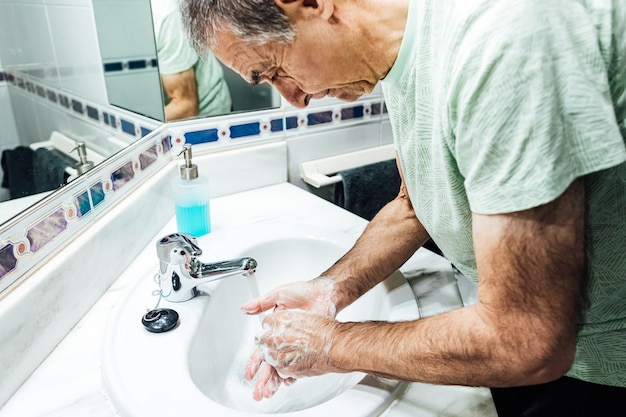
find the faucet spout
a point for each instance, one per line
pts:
(180, 272)
(213, 271)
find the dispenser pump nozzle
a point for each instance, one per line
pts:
(84, 164)
(188, 171)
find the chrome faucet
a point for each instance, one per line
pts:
(180, 272)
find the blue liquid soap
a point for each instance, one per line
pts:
(191, 199)
(194, 220)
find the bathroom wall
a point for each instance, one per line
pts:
(51, 44)
(54, 41)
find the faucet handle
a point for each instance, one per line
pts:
(167, 244)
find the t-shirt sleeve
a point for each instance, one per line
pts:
(530, 109)
(174, 52)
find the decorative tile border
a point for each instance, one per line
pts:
(106, 117)
(30, 237)
(34, 235)
(149, 63)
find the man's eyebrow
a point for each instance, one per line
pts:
(255, 78)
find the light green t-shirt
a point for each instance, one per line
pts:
(496, 107)
(175, 55)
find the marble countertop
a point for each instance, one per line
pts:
(69, 382)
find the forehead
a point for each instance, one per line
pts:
(242, 57)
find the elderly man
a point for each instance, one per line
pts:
(509, 120)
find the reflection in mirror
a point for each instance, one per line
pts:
(51, 89)
(151, 69)
(56, 58)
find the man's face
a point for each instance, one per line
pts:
(307, 68)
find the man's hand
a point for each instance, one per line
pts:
(296, 343)
(315, 296)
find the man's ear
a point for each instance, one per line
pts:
(298, 9)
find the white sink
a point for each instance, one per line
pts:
(196, 369)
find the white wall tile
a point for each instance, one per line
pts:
(25, 113)
(75, 41)
(31, 36)
(125, 29)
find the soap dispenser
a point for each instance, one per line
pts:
(83, 165)
(191, 198)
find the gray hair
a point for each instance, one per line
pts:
(254, 21)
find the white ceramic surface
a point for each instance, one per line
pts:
(197, 368)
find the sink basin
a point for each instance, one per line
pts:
(197, 368)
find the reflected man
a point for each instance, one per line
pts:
(193, 86)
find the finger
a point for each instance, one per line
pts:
(272, 384)
(260, 304)
(252, 366)
(265, 386)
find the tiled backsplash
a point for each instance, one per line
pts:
(34, 235)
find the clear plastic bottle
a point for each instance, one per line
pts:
(191, 199)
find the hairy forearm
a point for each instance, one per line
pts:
(181, 89)
(531, 265)
(392, 236)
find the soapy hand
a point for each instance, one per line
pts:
(296, 343)
(315, 296)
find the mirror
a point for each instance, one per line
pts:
(72, 46)
(150, 68)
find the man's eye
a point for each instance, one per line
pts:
(256, 77)
(274, 77)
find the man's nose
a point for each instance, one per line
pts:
(291, 92)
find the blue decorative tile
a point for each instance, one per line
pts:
(77, 106)
(128, 127)
(113, 67)
(292, 122)
(97, 194)
(81, 201)
(93, 113)
(145, 131)
(247, 129)
(52, 96)
(319, 118)
(137, 64)
(201, 136)
(352, 113)
(65, 102)
(276, 125)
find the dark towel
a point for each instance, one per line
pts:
(366, 189)
(50, 166)
(19, 174)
